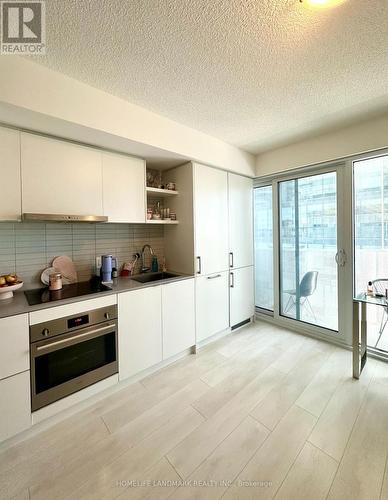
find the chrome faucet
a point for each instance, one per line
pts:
(143, 268)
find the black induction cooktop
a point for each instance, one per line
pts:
(44, 295)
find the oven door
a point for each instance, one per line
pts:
(67, 363)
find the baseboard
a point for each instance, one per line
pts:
(159, 366)
(213, 338)
(241, 324)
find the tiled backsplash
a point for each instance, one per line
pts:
(28, 248)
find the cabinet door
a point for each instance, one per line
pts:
(211, 219)
(59, 177)
(140, 330)
(240, 221)
(14, 345)
(15, 404)
(123, 188)
(178, 316)
(212, 305)
(10, 199)
(241, 295)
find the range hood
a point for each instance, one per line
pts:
(64, 218)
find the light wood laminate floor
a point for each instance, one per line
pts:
(262, 413)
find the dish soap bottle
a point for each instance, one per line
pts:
(154, 264)
(369, 290)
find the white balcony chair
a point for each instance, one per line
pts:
(307, 287)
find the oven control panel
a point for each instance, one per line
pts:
(72, 323)
(79, 321)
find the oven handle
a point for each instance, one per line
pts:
(71, 340)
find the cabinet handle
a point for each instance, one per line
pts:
(214, 277)
(231, 259)
(199, 265)
(231, 280)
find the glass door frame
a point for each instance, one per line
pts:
(258, 185)
(343, 170)
(371, 155)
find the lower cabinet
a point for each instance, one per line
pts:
(241, 283)
(15, 404)
(14, 345)
(212, 304)
(140, 330)
(178, 317)
(15, 398)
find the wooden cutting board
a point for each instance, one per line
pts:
(67, 268)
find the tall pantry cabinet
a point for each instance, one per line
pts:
(223, 250)
(211, 244)
(241, 278)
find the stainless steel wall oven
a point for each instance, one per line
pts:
(71, 353)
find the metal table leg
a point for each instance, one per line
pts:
(356, 340)
(359, 344)
(364, 330)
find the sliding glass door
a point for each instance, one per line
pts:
(371, 240)
(308, 249)
(303, 250)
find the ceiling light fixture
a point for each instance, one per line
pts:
(322, 4)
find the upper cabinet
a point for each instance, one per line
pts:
(240, 221)
(211, 220)
(10, 199)
(60, 177)
(123, 188)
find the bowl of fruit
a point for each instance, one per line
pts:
(9, 283)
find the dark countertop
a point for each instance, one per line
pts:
(19, 305)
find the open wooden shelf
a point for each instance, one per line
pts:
(160, 193)
(161, 221)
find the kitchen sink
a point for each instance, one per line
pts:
(149, 277)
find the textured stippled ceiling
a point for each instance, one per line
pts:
(254, 73)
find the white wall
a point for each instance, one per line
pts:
(359, 138)
(29, 87)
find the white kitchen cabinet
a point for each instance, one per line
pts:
(15, 404)
(14, 345)
(178, 317)
(10, 199)
(15, 395)
(123, 188)
(240, 221)
(241, 295)
(212, 305)
(59, 177)
(140, 330)
(211, 220)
